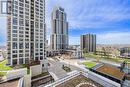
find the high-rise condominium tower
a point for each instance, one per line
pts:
(26, 31)
(88, 42)
(59, 37)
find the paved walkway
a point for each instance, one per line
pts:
(56, 68)
(105, 61)
(126, 83)
(76, 61)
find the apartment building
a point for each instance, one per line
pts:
(59, 36)
(88, 42)
(26, 30)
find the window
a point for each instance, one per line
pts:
(14, 35)
(21, 0)
(26, 60)
(20, 28)
(21, 22)
(15, 21)
(15, 56)
(36, 24)
(41, 25)
(20, 51)
(41, 45)
(21, 32)
(14, 27)
(15, 62)
(20, 12)
(20, 61)
(42, 65)
(14, 45)
(27, 22)
(27, 45)
(15, 14)
(26, 55)
(21, 4)
(20, 45)
(20, 55)
(27, 28)
(14, 31)
(20, 8)
(14, 39)
(15, 51)
(21, 16)
(36, 58)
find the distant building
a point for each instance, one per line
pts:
(77, 53)
(88, 42)
(59, 37)
(125, 52)
(73, 46)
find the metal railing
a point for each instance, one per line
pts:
(95, 77)
(21, 82)
(75, 74)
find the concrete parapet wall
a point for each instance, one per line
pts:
(36, 70)
(13, 74)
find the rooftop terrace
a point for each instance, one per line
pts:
(111, 71)
(80, 80)
(12, 83)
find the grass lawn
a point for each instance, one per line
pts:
(118, 60)
(91, 55)
(89, 64)
(3, 66)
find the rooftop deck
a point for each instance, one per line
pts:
(111, 71)
(12, 83)
(80, 80)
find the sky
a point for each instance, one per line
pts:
(108, 19)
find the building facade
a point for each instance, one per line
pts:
(59, 36)
(26, 30)
(77, 53)
(88, 42)
(125, 52)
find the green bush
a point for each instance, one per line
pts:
(4, 67)
(2, 74)
(67, 69)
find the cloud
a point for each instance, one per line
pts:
(88, 14)
(74, 40)
(102, 15)
(2, 43)
(105, 38)
(92, 13)
(114, 38)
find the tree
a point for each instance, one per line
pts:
(116, 52)
(104, 51)
(95, 53)
(85, 50)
